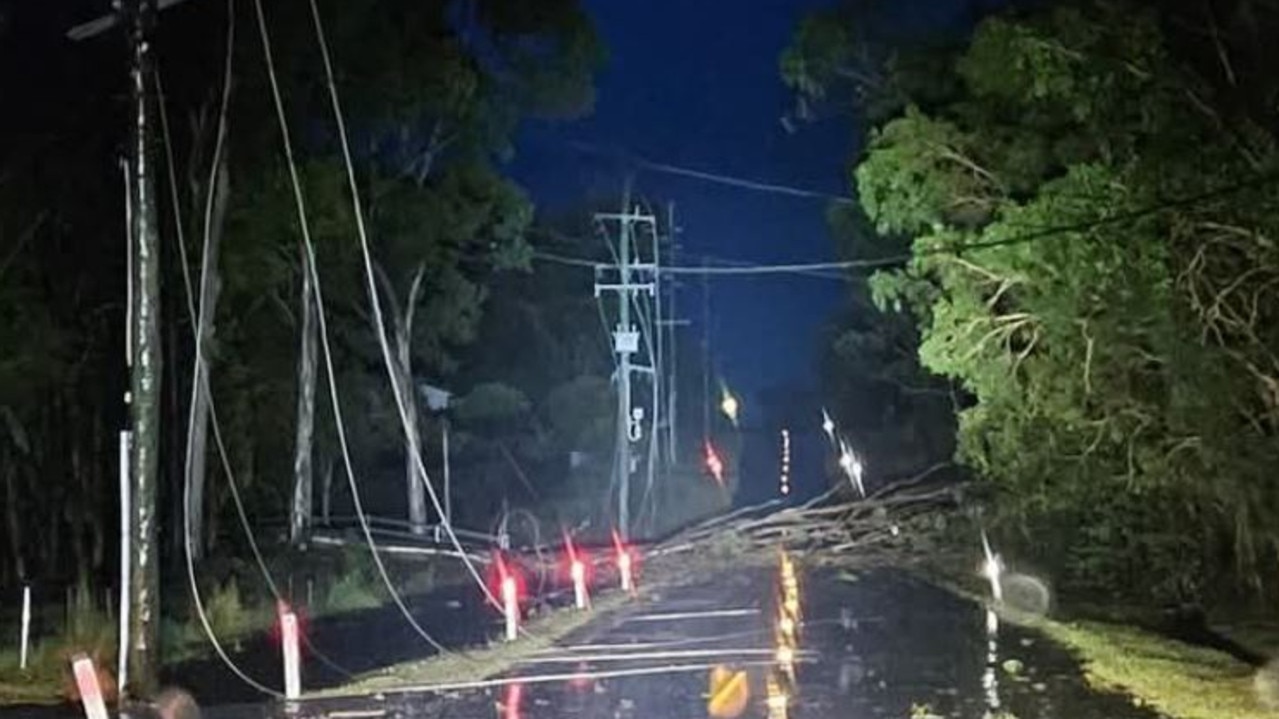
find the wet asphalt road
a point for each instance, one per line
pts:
(827, 645)
(881, 644)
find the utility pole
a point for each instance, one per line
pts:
(706, 354)
(140, 442)
(144, 238)
(632, 275)
(670, 358)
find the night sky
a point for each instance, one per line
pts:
(690, 84)
(694, 85)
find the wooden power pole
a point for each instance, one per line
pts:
(140, 613)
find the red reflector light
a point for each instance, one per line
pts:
(714, 464)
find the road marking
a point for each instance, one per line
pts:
(532, 679)
(682, 654)
(673, 616)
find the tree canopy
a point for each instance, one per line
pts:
(433, 92)
(1091, 214)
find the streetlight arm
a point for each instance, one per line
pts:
(96, 27)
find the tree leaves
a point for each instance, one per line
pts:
(1109, 370)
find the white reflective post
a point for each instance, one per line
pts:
(624, 569)
(292, 665)
(580, 597)
(511, 608)
(126, 552)
(86, 679)
(26, 626)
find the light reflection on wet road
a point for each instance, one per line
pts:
(810, 644)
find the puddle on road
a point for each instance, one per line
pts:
(896, 647)
(812, 645)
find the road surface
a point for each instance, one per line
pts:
(881, 644)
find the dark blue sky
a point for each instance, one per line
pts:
(696, 84)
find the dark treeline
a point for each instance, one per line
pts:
(433, 93)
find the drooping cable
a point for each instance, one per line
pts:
(224, 459)
(310, 263)
(378, 319)
(219, 142)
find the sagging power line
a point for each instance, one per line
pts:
(814, 268)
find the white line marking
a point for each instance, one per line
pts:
(672, 616)
(534, 679)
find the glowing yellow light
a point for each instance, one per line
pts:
(729, 405)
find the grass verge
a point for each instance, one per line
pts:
(1179, 680)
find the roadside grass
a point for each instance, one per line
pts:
(83, 628)
(83, 625)
(1179, 680)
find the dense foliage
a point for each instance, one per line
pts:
(1091, 212)
(433, 92)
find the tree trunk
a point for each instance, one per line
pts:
(210, 287)
(402, 376)
(413, 434)
(301, 514)
(404, 370)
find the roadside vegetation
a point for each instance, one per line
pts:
(1177, 679)
(1069, 212)
(238, 609)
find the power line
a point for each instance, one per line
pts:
(810, 268)
(708, 176)
(396, 390)
(310, 267)
(200, 376)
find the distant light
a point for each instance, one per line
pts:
(714, 464)
(992, 569)
(828, 425)
(729, 405)
(784, 480)
(852, 466)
